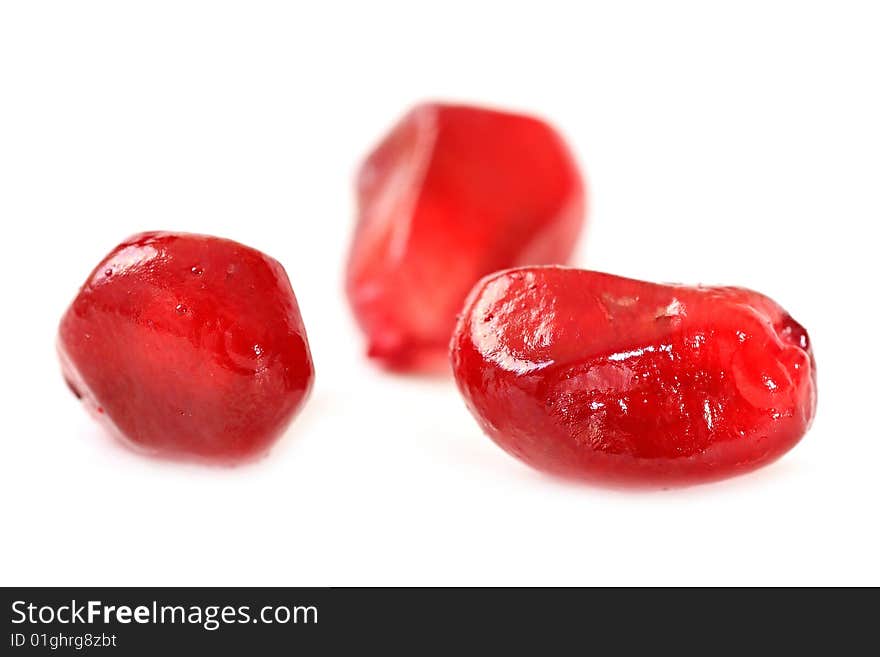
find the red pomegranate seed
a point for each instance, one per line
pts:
(452, 194)
(594, 376)
(189, 346)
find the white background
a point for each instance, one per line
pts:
(727, 143)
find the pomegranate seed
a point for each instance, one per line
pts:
(451, 194)
(188, 345)
(595, 376)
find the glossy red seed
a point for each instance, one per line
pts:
(595, 376)
(452, 194)
(188, 345)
